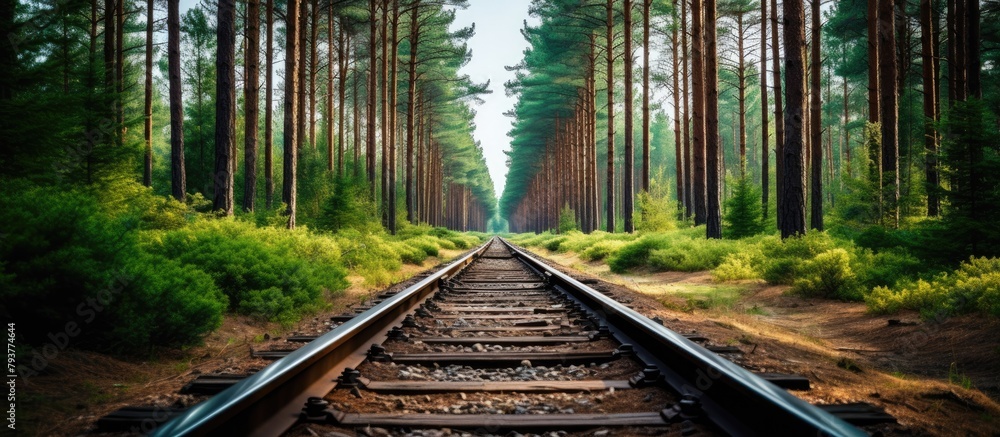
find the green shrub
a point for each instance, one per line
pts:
(829, 274)
(885, 268)
(973, 287)
(164, 303)
(636, 253)
(781, 270)
(553, 244)
(246, 261)
(427, 244)
(350, 208)
(602, 249)
(567, 220)
(657, 211)
(56, 250)
(740, 265)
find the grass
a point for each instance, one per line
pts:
(818, 264)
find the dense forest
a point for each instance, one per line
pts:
(151, 158)
(875, 123)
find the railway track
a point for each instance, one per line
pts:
(496, 342)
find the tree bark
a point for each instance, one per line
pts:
(628, 176)
(225, 106)
(393, 76)
(330, 84)
(411, 107)
(147, 169)
(973, 48)
(251, 114)
(874, 113)
(611, 114)
(889, 108)
(779, 117)
(291, 141)
(268, 110)
(698, 94)
(678, 139)
(765, 153)
(372, 93)
(713, 146)
(816, 130)
(303, 78)
(686, 125)
(178, 180)
(646, 4)
(792, 207)
(342, 95)
(927, 26)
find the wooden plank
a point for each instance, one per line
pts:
(495, 359)
(212, 383)
(521, 341)
(504, 421)
(500, 316)
(505, 328)
(411, 387)
(859, 414)
(472, 309)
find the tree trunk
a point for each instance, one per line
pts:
(686, 124)
(291, 132)
(874, 113)
(678, 144)
(393, 76)
(973, 55)
(303, 71)
(341, 94)
(889, 106)
(313, 68)
(109, 61)
(628, 174)
(384, 106)
(765, 153)
(713, 147)
(178, 180)
(250, 96)
(779, 117)
(646, 4)
(927, 26)
(816, 130)
(225, 105)
(611, 114)
(372, 94)
(411, 107)
(330, 84)
(741, 89)
(792, 207)
(698, 97)
(147, 169)
(268, 110)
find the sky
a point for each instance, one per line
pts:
(497, 43)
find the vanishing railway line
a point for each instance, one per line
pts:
(494, 342)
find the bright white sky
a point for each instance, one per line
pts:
(497, 43)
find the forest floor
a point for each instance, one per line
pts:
(936, 377)
(78, 387)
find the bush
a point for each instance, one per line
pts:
(829, 274)
(602, 249)
(350, 208)
(974, 287)
(56, 250)
(740, 265)
(164, 303)
(249, 263)
(553, 244)
(657, 211)
(567, 220)
(636, 253)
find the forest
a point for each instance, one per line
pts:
(239, 158)
(848, 149)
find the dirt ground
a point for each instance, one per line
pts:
(937, 377)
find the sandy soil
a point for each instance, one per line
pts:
(937, 377)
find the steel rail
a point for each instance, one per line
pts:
(269, 402)
(735, 399)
